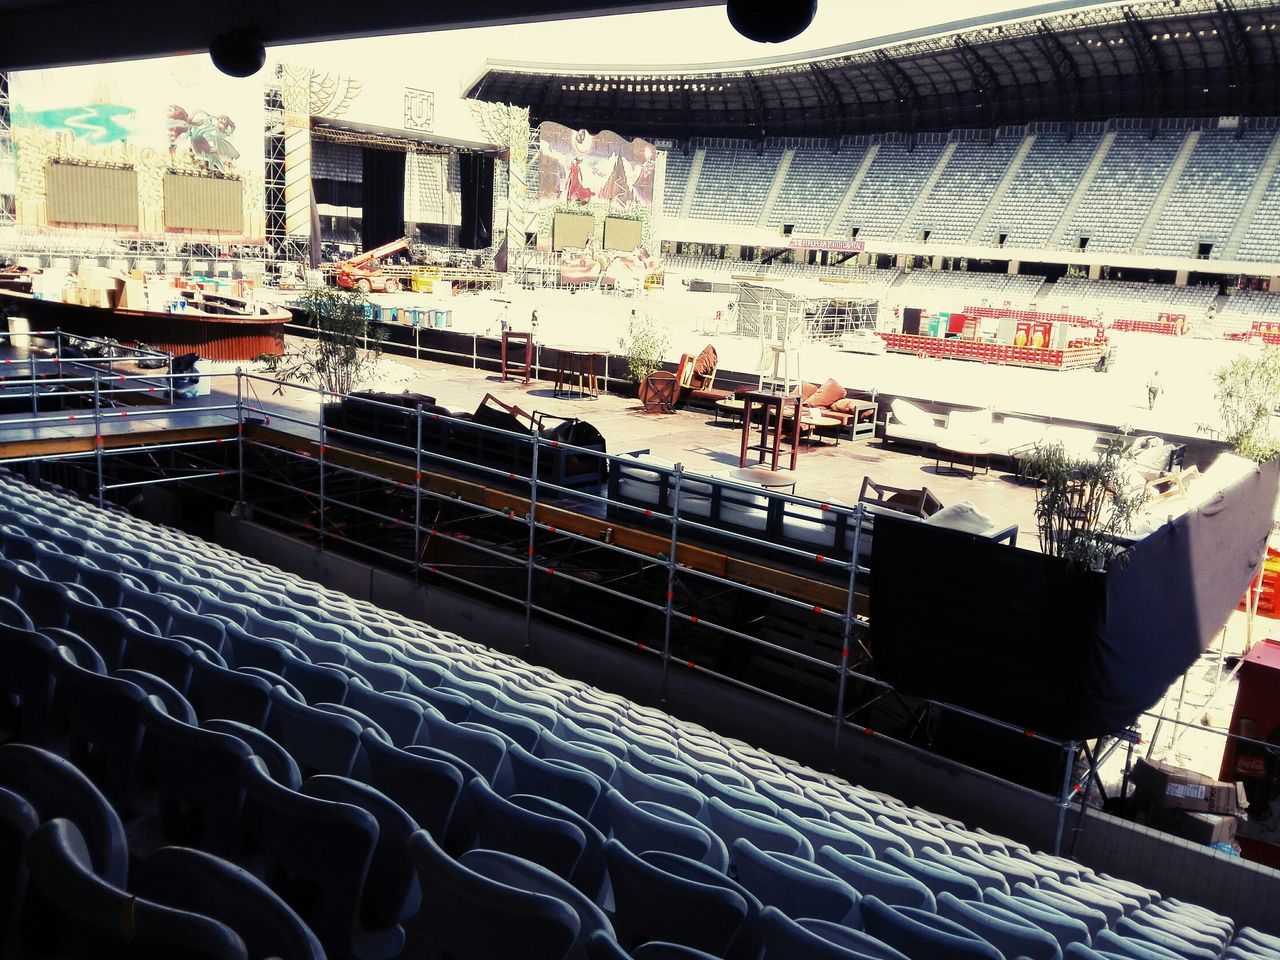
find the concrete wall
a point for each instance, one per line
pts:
(1247, 892)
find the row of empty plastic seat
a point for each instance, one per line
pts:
(1204, 205)
(375, 787)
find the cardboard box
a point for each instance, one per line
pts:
(1193, 825)
(1176, 788)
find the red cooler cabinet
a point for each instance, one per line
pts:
(1257, 716)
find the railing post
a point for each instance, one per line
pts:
(239, 439)
(321, 520)
(475, 350)
(417, 494)
(172, 392)
(1064, 797)
(847, 623)
(678, 475)
(532, 520)
(97, 440)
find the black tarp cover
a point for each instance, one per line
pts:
(1020, 636)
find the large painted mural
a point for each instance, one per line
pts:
(602, 175)
(176, 116)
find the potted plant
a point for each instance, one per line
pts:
(343, 351)
(1248, 390)
(645, 347)
(1084, 506)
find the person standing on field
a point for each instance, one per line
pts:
(1154, 388)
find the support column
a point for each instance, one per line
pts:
(1180, 278)
(1014, 267)
(296, 94)
(1095, 271)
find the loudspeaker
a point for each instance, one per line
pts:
(911, 320)
(476, 175)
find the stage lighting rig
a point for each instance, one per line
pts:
(771, 21)
(238, 52)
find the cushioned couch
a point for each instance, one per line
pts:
(647, 484)
(367, 416)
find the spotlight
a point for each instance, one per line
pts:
(771, 21)
(238, 52)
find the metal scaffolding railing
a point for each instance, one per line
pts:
(539, 503)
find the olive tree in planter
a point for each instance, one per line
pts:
(1248, 390)
(1085, 505)
(645, 347)
(342, 352)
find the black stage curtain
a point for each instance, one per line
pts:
(338, 193)
(382, 197)
(476, 172)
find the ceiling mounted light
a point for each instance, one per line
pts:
(771, 21)
(238, 52)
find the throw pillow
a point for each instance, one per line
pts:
(807, 390)
(707, 361)
(845, 405)
(909, 415)
(826, 395)
(962, 516)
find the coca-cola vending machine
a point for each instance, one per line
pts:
(1257, 764)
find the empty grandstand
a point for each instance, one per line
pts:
(680, 716)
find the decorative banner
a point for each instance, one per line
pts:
(818, 243)
(158, 117)
(575, 166)
(602, 174)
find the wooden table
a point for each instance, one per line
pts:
(769, 479)
(730, 408)
(812, 422)
(577, 363)
(774, 408)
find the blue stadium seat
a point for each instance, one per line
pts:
(1012, 934)
(796, 886)
(279, 763)
(170, 699)
(391, 891)
(104, 716)
(482, 749)
(736, 796)
(985, 879)
(321, 741)
(217, 692)
(652, 904)
(531, 877)
(198, 780)
(783, 939)
(467, 916)
(764, 831)
(26, 684)
(824, 833)
(559, 781)
(1065, 929)
(197, 881)
(1093, 918)
(875, 878)
(637, 785)
(72, 912)
(12, 615)
(880, 839)
(922, 935)
(1108, 941)
(169, 659)
(316, 683)
(18, 820)
(502, 825)
(640, 830)
(936, 877)
(427, 789)
(325, 882)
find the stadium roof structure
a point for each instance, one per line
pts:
(1065, 61)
